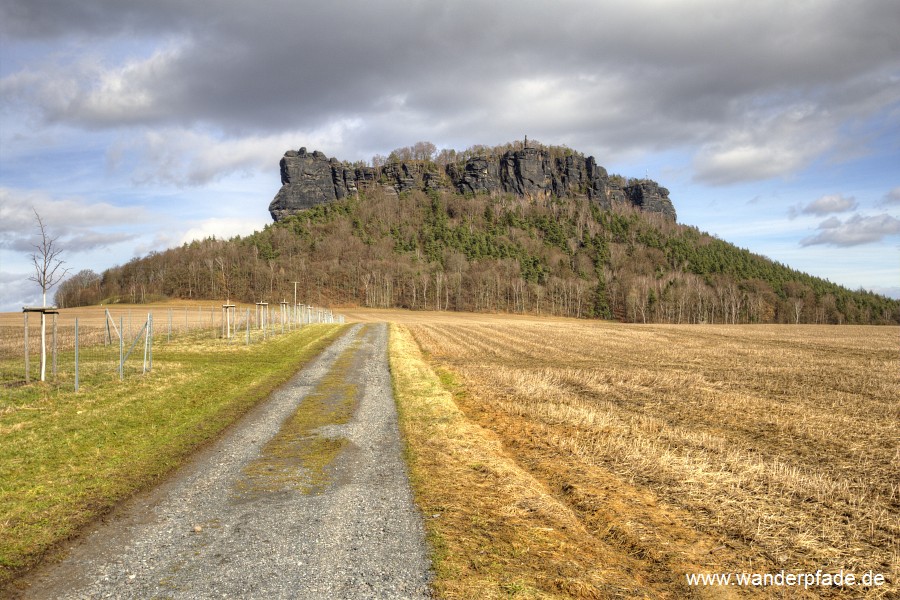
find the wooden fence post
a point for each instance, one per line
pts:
(54, 346)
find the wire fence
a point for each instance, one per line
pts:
(89, 343)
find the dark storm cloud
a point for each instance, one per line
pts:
(756, 90)
(276, 66)
(51, 19)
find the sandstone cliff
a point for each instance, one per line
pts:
(309, 179)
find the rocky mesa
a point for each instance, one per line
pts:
(311, 178)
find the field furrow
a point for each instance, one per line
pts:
(698, 449)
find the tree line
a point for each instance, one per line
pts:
(501, 253)
(427, 153)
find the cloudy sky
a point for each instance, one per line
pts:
(133, 126)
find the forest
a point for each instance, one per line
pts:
(441, 250)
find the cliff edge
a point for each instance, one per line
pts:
(309, 179)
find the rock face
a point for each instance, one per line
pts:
(309, 179)
(651, 197)
(306, 180)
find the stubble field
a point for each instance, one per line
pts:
(583, 459)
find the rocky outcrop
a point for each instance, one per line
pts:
(649, 196)
(478, 175)
(306, 180)
(309, 179)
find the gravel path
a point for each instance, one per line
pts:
(206, 534)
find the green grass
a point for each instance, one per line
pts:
(332, 402)
(67, 458)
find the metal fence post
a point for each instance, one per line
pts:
(76, 354)
(121, 352)
(146, 341)
(150, 332)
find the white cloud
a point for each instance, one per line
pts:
(832, 203)
(766, 145)
(855, 231)
(186, 157)
(824, 205)
(889, 291)
(80, 224)
(221, 228)
(724, 163)
(94, 92)
(892, 198)
(121, 95)
(17, 291)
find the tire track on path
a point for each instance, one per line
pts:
(273, 509)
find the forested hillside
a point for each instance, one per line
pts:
(440, 250)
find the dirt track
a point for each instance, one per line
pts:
(256, 515)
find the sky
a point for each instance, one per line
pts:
(134, 126)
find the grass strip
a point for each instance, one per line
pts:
(67, 458)
(300, 442)
(494, 531)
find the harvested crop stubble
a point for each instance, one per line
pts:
(495, 530)
(720, 448)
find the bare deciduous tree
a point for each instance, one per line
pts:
(47, 273)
